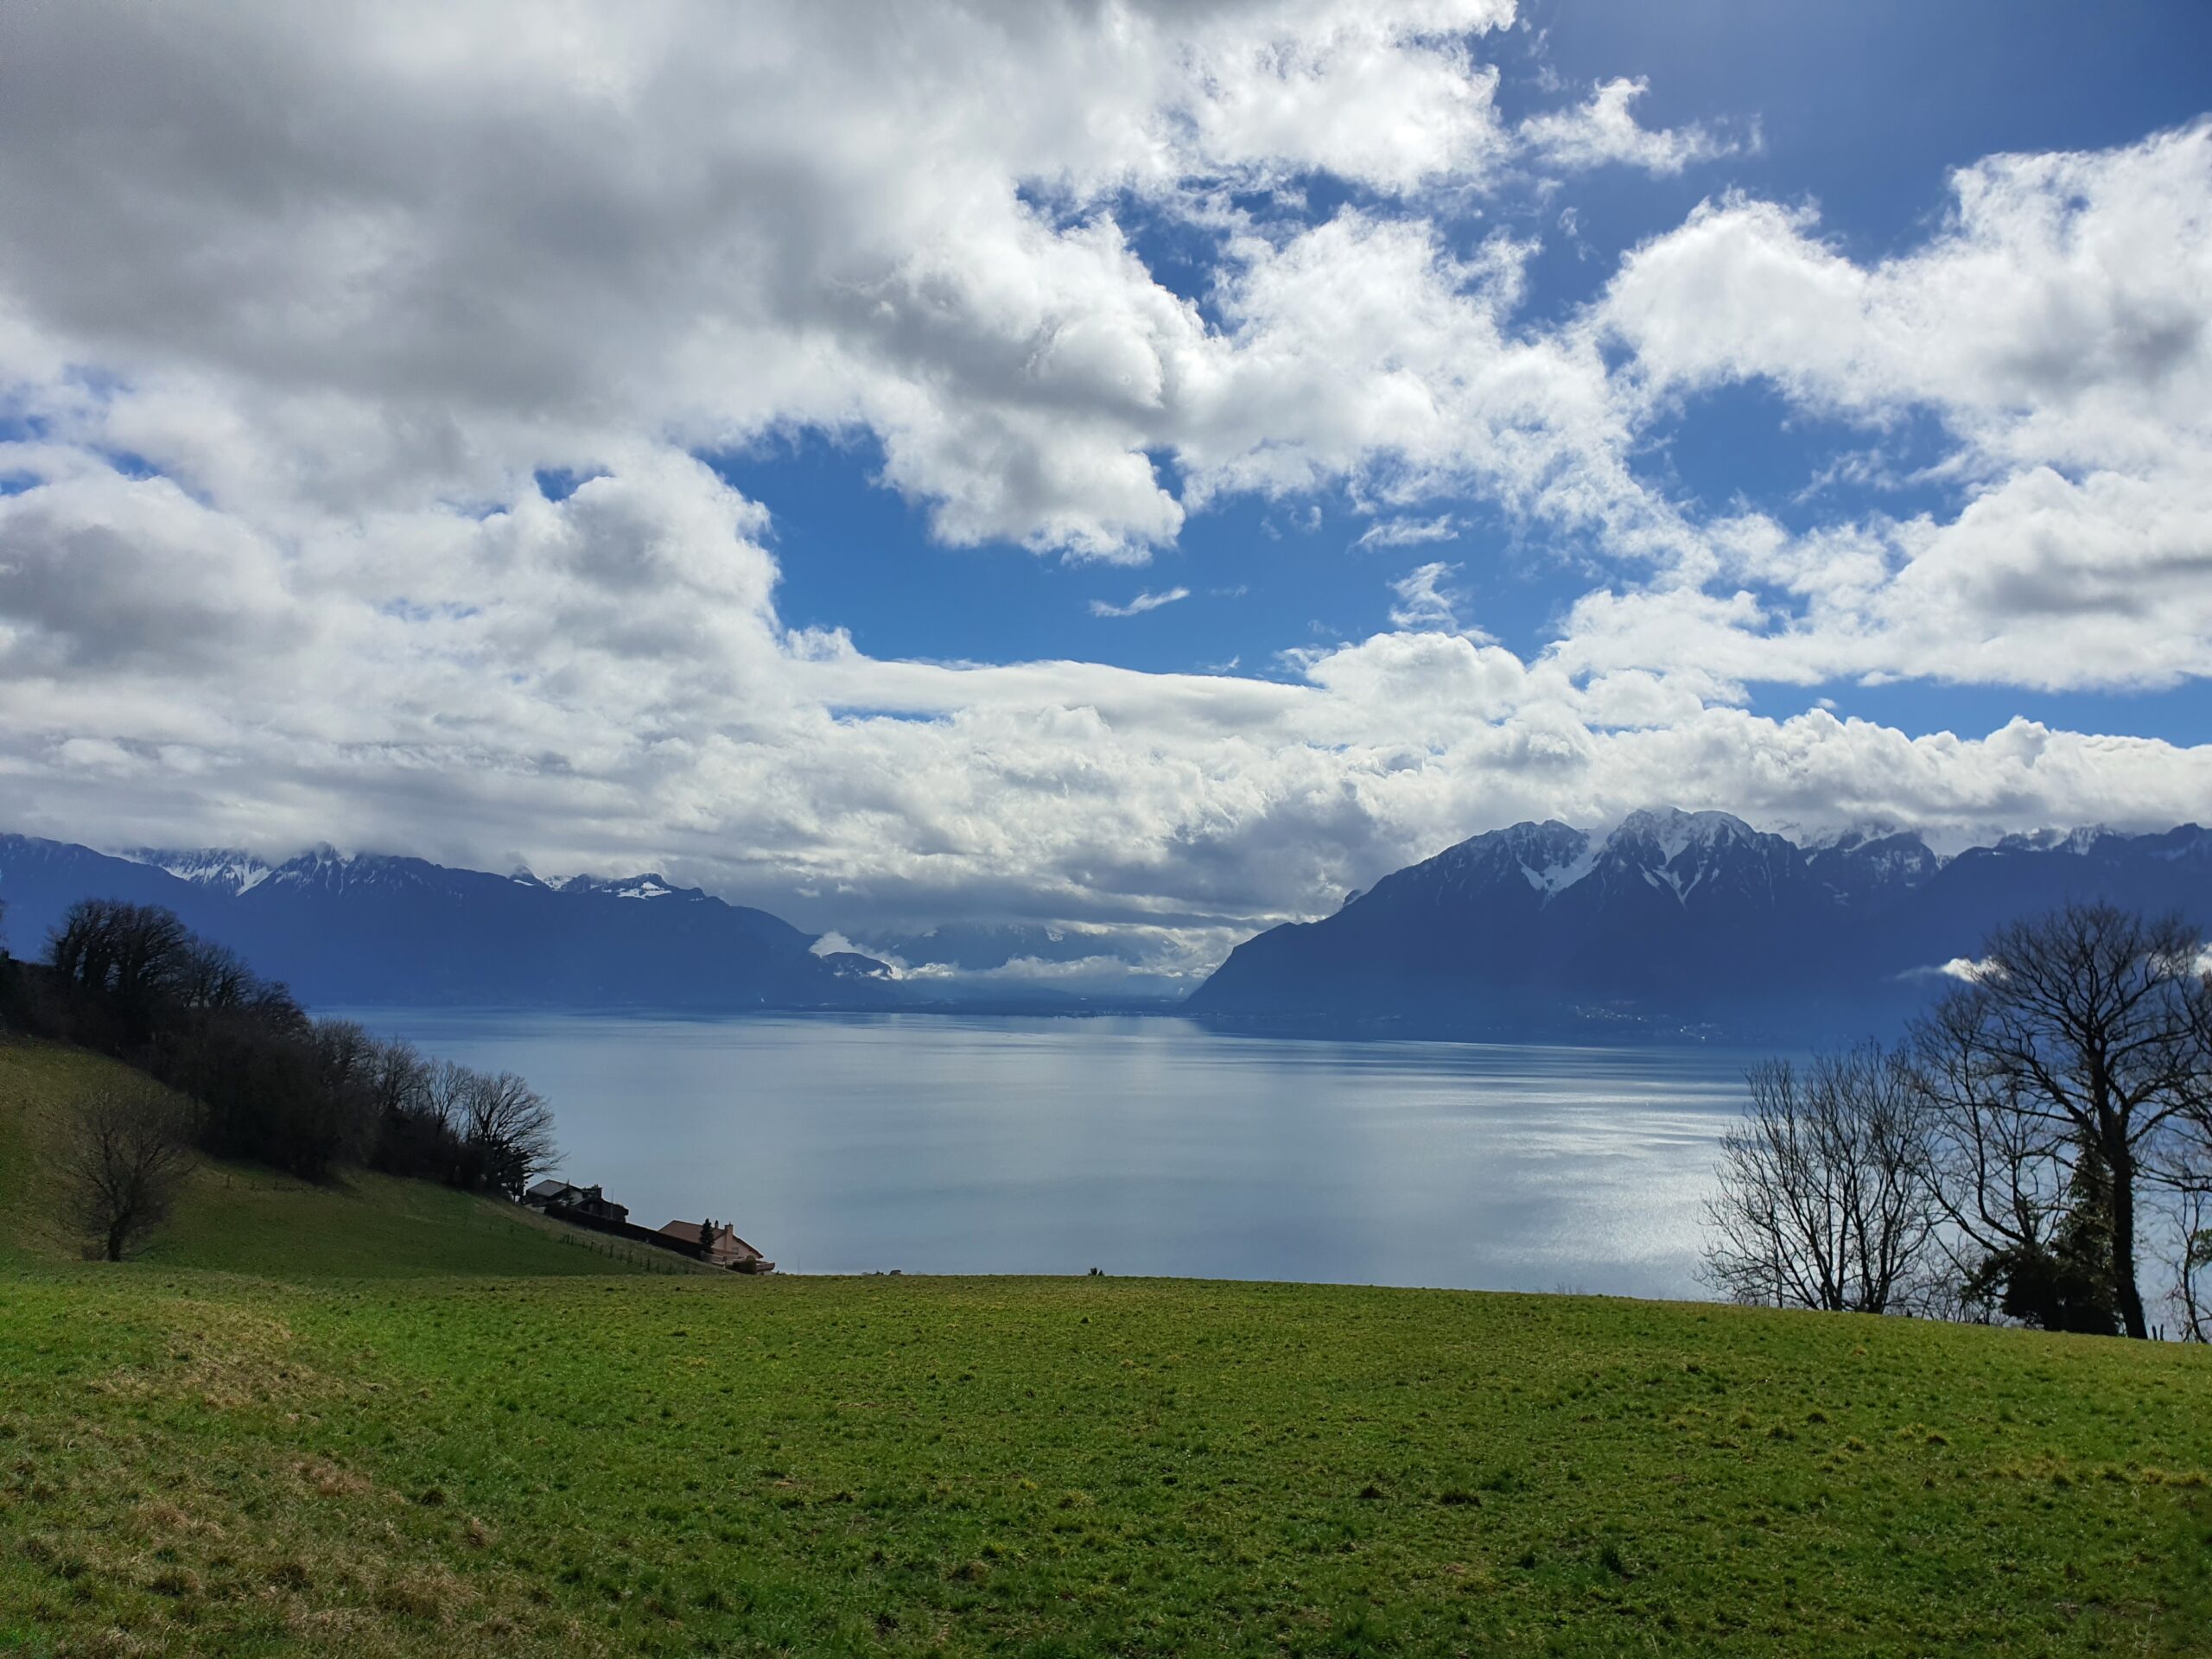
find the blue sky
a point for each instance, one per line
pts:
(1138, 470)
(1862, 109)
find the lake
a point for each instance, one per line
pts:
(931, 1144)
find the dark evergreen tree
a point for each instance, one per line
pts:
(2067, 1284)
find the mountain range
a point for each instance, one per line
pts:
(1673, 924)
(1678, 923)
(369, 928)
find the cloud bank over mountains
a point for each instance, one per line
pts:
(310, 321)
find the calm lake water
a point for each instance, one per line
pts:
(847, 1144)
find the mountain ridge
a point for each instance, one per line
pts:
(370, 928)
(1670, 923)
(1677, 922)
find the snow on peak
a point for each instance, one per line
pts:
(1848, 839)
(1571, 862)
(2077, 840)
(1676, 850)
(1672, 832)
(651, 885)
(1550, 856)
(226, 868)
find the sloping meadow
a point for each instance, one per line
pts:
(197, 1462)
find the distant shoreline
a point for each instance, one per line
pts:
(1593, 1033)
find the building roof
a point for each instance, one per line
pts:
(690, 1232)
(567, 1195)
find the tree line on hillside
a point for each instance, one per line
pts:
(2036, 1138)
(265, 1083)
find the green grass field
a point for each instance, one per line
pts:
(275, 1457)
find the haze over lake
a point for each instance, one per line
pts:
(847, 1144)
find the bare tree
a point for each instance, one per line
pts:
(411, 1138)
(2192, 1294)
(398, 1079)
(2192, 1291)
(344, 1053)
(346, 1063)
(123, 1155)
(2057, 1072)
(1823, 1199)
(1999, 1171)
(131, 955)
(508, 1133)
(209, 978)
(446, 1088)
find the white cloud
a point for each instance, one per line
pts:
(99, 571)
(647, 223)
(1423, 601)
(1408, 532)
(1969, 969)
(439, 242)
(1366, 354)
(602, 683)
(2040, 581)
(2059, 316)
(1141, 604)
(1385, 95)
(347, 318)
(2056, 326)
(1605, 131)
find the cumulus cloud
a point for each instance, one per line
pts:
(1141, 604)
(1605, 131)
(2058, 316)
(278, 374)
(645, 217)
(2041, 581)
(501, 696)
(100, 573)
(2056, 325)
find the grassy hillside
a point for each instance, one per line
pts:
(194, 1461)
(239, 1220)
(1076, 1467)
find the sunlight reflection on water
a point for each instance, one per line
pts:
(841, 1144)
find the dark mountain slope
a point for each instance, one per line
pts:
(1677, 921)
(378, 930)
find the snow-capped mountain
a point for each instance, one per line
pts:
(365, 929)
(1679, 919)
(649, 885)
(1672, 920)
(225, 868)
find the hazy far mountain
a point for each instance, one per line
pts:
(375, 929)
